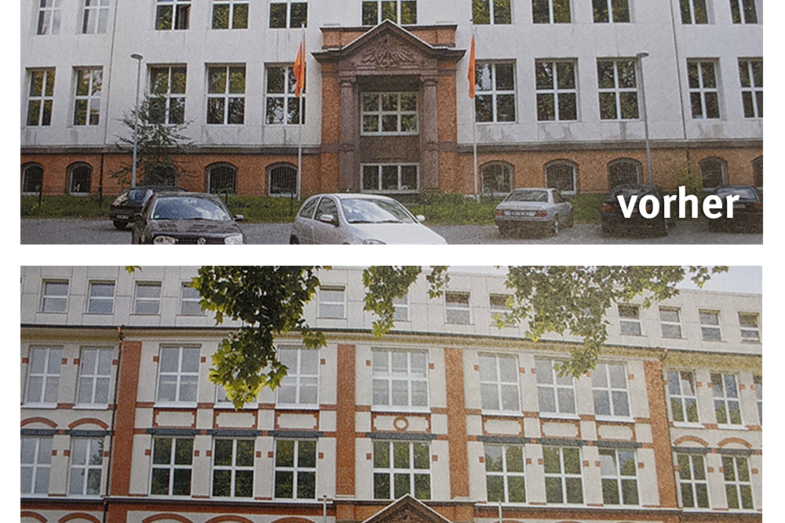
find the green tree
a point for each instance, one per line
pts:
(269, 301)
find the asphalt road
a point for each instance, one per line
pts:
(92, 232)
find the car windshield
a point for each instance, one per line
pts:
(746, 193)
(629, 190)
(137, 195)
(366, 210)
(188, 208)
(528, 196)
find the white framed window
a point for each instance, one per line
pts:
(389, 113)
(400, 468)
(743, 12)
(400, 379)
(738, 484)
(504, 474)
(189, 301)
(727, 407)
(551, 11)
(609, 387)
(758, 385)
(226, 94)
(222, 400)
(390, 178)
(87, 96)
(499, 306)
(751, 79)
(557, 90)
(629, 320)
(693, 488)
(101, 298)
(167, 94)
(36, 462)
(40, 97)
(281, 103)
(457, 308)
(683, 401)
(615, 11)
(710, 325)
(87, 457)
(618, 89)
(694, 12)
(288, 15)
(563, 480)
(332, 302)
(750, 329)
(95, 374)
(401, 306)
(147, 297)
(95, 17)
(561, 175)
(402, 12)
(495, 92)
(49, 17)
(233, 469)
(300, 386)
(619, 472)
(556, 394)
(499, 388)
(172, 466)
(54, 296)
(230, 14)
(43, 375)
(295, 469)
(704, 89)
(670, 322)
(178, 374)
(172, 14)
(494, 12)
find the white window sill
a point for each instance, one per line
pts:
(503, 413)
(615, 419)
(557, 415)
(688, 424)
(731, 427)
(184, 406)
(292, 406)
(91, 406)
(400, 409)
(39, 406)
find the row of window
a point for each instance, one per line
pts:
(399, 381)
(392, 113)
(399, 468)
(556, 89)
(233, 14)
(225, 103)
(332, 304)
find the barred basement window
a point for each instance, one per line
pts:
(499, 387)
(560, 175)
(495, 12)
(87, 97)
(727, 407)
(556, 394)
(32, 179)
(288, 14)
(400, 379)
(621, 172)
(87, 456)
(495, 86)
(36, 462)
(222, 179)
(300, 386)
(282, 180)
(738, 485)
(49, 16)
(618, 89)
(40, 97)
(751, 76)
(743, 11)
(233, 468)
(79, 183)
(629, 320)
(704, 90)
(557, 91)
(226, 94)
(693, 487)
(390, 178)
(230, 14)
(563, 482)
(609, 386)
(283, 107)
(167, 94)
(295, 469)
(616, 11)
(551, 11)
(712, 173)
(683, 401)
(694, 12)
(95, 16)
(504, 475)
(497, 178)
(757, 172)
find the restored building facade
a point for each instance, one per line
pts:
(452, 416)
(559, 93)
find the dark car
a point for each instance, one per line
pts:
(613, 220)
(747, 209)
(186, 218)
(131, 201)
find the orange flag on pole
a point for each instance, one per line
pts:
(472, 65)
(299, 70)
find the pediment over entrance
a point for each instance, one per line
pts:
(388, 49)
(407, 510)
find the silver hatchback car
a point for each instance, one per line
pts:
(359, 219)
(544, 209)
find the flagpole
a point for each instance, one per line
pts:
(300, 123)
(474, 112)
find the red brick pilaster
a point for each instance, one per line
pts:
(344, 444)
(456, 426)
(658, 412)
(125, 417)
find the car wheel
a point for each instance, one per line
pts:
(505, 231)
(555, 226)
(120, 225)
(293, 240)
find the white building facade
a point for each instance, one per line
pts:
(560, 93)
(120, 422)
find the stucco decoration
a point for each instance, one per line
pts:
(386, 54)
(407, 510)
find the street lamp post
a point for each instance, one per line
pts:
(138, 59)
(639, 61)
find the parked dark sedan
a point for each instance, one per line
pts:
(613, 220)
(747, 210)
(186, 218)
(131, 201)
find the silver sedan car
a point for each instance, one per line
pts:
(359, 219)
(543, 209)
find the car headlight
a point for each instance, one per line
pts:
(234, 239)
(373, 242)
(164, 240)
